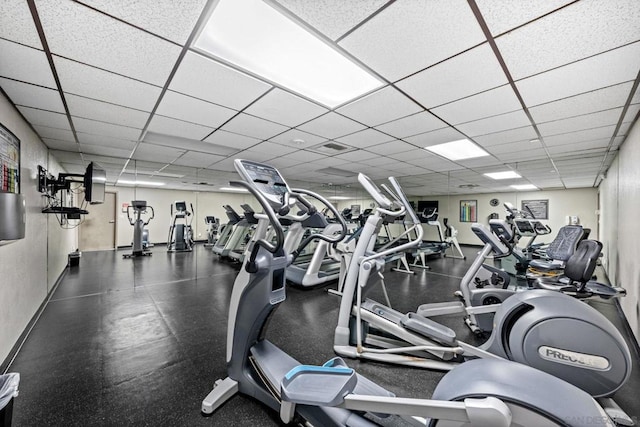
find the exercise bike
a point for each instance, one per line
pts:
(140, 243)
(495, 393)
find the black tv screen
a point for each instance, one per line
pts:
(95, 179)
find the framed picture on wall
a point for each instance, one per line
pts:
(468, 210)
(538, 208)
(9, 161)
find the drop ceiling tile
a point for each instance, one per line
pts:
(275, 150)
(573, 33)
(607, 69)
(20, 28)
(382, 106)
(230, 139)
(104, 151)
(106, 129)
(67, 156)
(188, 109)
(285, 108)
(281, 164)
(525, 155)
(439, 136)
(78, 32)
(353, 156)
(580, 136)
(490, 103)
(25, 64)
(211, 81)
(502, 16)
(331, 126)
(45, 118)
(55, 133)
(333, 18)
(579, 147)
(407, 37)
(494, 124)
(247, 125)
(413, 154)
(480, 162)
(156, 153)
(56, 144)
(303, 156)
(101, 85)
(86, 108)
(471, 72)
(388, 148)
(32, 96)
(590, 102)
(587, 121)
(189, 144)
(173, 20)
(435, 163)
(630, 116)
(169, 126)
(365, 138)
(303, 139)
(524, 133)
(514, 147)
(197, 159)
(105, 141)
(412, 125)
(340, 163)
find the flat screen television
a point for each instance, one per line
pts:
(95, 179)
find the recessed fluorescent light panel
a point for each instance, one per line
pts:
(503, 175)
(142, 183)
(235, 189)
(524, 187)
(338, 198)
(458, 150)
(254, 36)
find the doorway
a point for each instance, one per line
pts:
(98, 231)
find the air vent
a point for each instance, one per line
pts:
(331, 148)
(336, 171)
(468, 185)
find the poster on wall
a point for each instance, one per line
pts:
(468, 210)
(539, 208)
(9, 161)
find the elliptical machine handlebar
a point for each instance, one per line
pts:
(153, 214)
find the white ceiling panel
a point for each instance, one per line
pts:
(106, 129)
(285, 108)
(590, 102)
(93, 83)
(80, 106)
(25, 64)
(525, 133)
(173, 20)
(32, 96)
(211, 81)
(230, 139)
(78, 32)
(409, 36)
(66, 156)
(382, 106)
(303, 156)
(499, 123)
(353, 156)
(630, 116)
(392, 147)
(106, 141)
(45, 118)
(365, 138)
(56, 144)
(573, 33)
(580, 136)
(224, 165)
(247, 125)
(20, 28)
(466, 74)
(156, 153)
(333, 18)
(331, 126)
(587, 121)
(303, 139)
(514, 147)
(55, 133)
(607, 69)
(272, 149)
(104, 151)
(188, 144)
(523, 155)
(580, 146)
(413, 154)
(286, 163)
(502, 15)
(412, 125)
(490, 103)
(481, 162)
(169, 126)
(193, 110)
(439, 136)
(435, 163)
(197, 159)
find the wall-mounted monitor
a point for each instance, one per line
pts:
(95, 179)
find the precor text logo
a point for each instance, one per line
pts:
(583, 360)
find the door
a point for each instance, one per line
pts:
(98, 231)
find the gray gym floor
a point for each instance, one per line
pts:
(140, 342)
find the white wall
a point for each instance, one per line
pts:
(620, 225)
(26, 270)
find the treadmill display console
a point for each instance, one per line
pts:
(265, 178)
(524, 226)
(539, 227)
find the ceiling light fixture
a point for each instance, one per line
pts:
(524, 187)
(142, 183)
(458, 150)
(256, 37)
(235, 189)
(339, 198)
(503, 175)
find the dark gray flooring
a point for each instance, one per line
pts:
(140, 342)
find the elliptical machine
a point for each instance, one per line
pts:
(495, 393)
(180, 235)
(213, 224)
(140, 243)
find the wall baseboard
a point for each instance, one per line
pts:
(6, 363)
